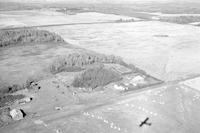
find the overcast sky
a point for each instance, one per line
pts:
(99, 1)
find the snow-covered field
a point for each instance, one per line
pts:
(169, 109)
(193, 83)
(49, 17)
(164, 50)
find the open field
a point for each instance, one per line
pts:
(164, 50)
(169, 108)
(141, 43)
(144, 11)
(23, 62)
(168, 8)
(181, 13)
(39, 17)
(193, 83)
(74, 86)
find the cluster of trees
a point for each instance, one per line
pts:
(95, 77)
(181, 19)
(79, 60)
(21, 36)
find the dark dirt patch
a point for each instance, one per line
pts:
(10, 89)
(9, 99)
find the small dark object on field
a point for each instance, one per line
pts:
(24, 114)
(58, 108)
(145, 122)
(96, 77)
(39, 87)
(74, 93)
(30, 82)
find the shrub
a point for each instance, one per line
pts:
(5, 116)
(10, 89)
(95, 77)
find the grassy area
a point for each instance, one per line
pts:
(22, 36)
(95, 77)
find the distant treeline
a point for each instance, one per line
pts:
(181, 19)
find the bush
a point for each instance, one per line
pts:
(95, 77)
(21, 36)
(5, 116)
(79, 60)
(8, 99)
(10, 89)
